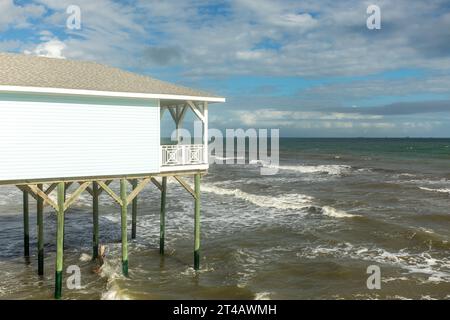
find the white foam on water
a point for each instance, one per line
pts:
(336, 213)
(260, 162)
(262, 296)
(433, 182)
(286, 202)
(387, 280)
(114, 292)
(112, 271)
(335, 169)
(295, 201)
(85, 257)
(437, 270)
(441, 190)
(406, 175)
(228, 158)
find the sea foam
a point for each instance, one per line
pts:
(441, 190)
(292, 201)
(287, 201)
(334, 169)
(335, 213)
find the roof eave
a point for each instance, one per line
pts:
(42, 90)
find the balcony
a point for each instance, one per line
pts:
(182, 157)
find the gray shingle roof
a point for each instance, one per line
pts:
(32, 71)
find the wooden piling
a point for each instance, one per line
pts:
(26, 225)
(197, 223)
(134, 212)
(40, 233)
(59, 241)
(95, 224)
(162, 222)
(123, 197)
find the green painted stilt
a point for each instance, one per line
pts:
(26, 225)
(95, 228)
(123, 197)
(197, 223)
(162, 222)
(40, 233)
(59, 241)
(134, 212)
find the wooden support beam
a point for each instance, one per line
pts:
(108, 190)
(139, 187)
(123, 224)
(66, 187)
(89, 190)
(205, 133)
(156, 183)
(173, 113)
(50, 188)
(133, 211)
(38, 192)
(186, 186)
(182, 113)
(162, 216)
(197, 223)
(100, 191)
(26, 225)
(40, 232)
(59, 241)
(107, 182)
(95, 227)
(76, 194)
(196, 110)
(24, 188)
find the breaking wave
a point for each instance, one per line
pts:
(336, 213)
(441, 190)
(293, 201)
(288, 201)
(334, 169)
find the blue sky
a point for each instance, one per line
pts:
(309, 68)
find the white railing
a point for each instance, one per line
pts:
(181, 154)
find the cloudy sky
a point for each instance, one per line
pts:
(310, 68)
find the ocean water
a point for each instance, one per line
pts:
(336, 207)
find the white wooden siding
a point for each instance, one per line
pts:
(40, 140)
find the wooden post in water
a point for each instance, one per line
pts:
(134, 212)
(26, 225)
(197, 223)
(123, 197)
(40, 233)
(59, 241)
(95, 226)
(162, 216)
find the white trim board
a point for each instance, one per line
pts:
(108, 93)
(186, 167)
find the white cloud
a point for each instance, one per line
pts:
(12, 15)
(279, 118)
(52, 48)
(289, 38)
(311, 39)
